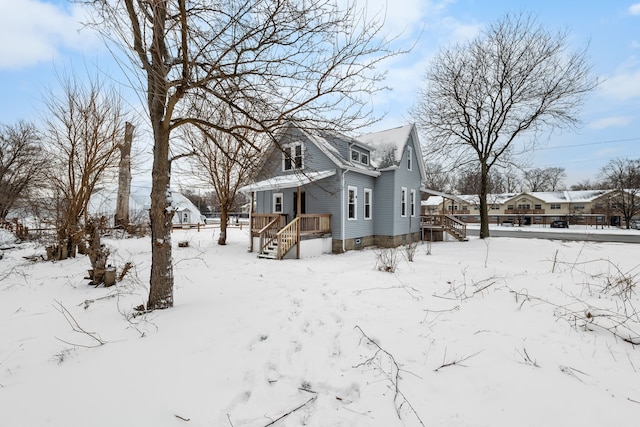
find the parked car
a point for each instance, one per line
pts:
(635, 224)
(507, 223)
(559, 224)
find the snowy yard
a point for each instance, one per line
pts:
(502, 332)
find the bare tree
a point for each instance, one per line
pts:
(83, 128)
(311, 62)
(547, 179)
(587, 184)
(124, 178)
(623, 175)
(485, 99)
(438, 178)
(21, 162)
(225, 163)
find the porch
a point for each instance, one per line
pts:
(273, 236)
(435, 225)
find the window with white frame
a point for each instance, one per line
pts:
(554, 206)
(355, 156)
(352, 201)
(403, 202)
(364, 158)
(413, 202)
(292, 157)
(277, 202)
(368, 203)
(409, 158)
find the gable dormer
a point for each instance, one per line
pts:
(360, 155)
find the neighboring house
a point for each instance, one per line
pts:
(351, 192)
(588, 207)
(187, 214)
(103, 203)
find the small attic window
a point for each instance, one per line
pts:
(292, 157)
(359, 157)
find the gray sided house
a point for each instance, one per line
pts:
(345, 193)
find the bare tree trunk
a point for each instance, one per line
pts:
(124, 178)
(224, 217)
(161, 214)
(484, 213)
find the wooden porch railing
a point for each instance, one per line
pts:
(315, 223)
(287, 237)
(259, 221)
(447, 222)
(268, 233)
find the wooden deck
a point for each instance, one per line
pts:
(443, 223)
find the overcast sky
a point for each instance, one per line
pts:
(41, 39)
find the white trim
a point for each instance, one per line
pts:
(409, 158)
(403, 202)
(351, 188)
(364, 204)
(412, 202)
(273, 204)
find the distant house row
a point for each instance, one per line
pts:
(591, 207)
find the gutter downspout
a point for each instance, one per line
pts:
(253, 198)
(342, 215)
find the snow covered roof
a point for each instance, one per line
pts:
(326, 142)
(565, 196)
(388, 145)
(287, 181)
(103, 202)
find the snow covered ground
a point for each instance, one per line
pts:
(500, 332)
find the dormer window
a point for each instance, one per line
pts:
(358, 156)
(292, 157)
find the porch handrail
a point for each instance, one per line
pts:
(268, 233)
(447, 222)
(452, 223)
(288, 236)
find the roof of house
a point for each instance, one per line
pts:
(287, 181)
(584, 196)
(388, 145)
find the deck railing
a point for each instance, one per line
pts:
(287, 237)
(446, 222)
(315, 223)
(269, 233)
(259, 221)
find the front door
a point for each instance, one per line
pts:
(303, 203)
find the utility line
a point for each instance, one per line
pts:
(587, 144)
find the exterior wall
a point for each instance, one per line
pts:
(389, 219)
(359, 227)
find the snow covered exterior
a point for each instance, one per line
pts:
(187, 213)
(370, 185)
